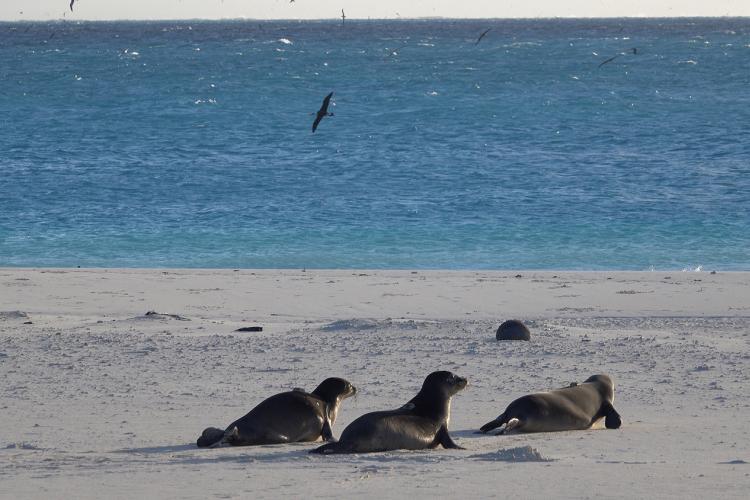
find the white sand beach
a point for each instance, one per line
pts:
(100, 400)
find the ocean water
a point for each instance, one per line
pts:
(188, 144)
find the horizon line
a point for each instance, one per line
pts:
(369, 19)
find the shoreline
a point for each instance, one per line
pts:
(337, 20)
(287, 298)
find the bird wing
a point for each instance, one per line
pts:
(609, 60)
(71, 5)
(317, 120)
(482, 35)
(324, 107)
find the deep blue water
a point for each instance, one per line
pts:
(188, 144)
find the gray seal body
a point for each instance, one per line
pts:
(288, 417)
(575, 407)
(420, 424)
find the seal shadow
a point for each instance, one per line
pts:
(469, 434)
(191, 454)
(155, 450)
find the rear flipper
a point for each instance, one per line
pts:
(499, 421)
(612, 419)
(233, 437)
(211, 436)
(329, 449)
(513, 423)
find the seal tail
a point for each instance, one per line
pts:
(499, 421)
(210, 437)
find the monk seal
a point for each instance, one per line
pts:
(574, 407)
(288, 417)
(421, 423)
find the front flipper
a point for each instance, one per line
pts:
(444, 439)
(327, 433)
(612, 419)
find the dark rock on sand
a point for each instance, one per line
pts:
(513, 330)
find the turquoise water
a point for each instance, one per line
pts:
(189, 144)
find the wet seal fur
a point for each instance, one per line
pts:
(288, 417)
(419, 424)
(575, 407)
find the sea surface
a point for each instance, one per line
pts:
(189, 144)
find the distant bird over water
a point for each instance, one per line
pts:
(343, 17)
(322, 112)
(71, 5)
(482, 36)
(634, 51)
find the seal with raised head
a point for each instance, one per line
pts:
(421, 423)
(575, 407)
(288, 417)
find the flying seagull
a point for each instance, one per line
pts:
(482, 36)
(71, 5)
(634, 50)
(343, 17)
(322, 112)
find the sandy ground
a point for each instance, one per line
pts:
(100, 400)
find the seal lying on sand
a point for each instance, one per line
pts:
(421, 423)
(570, 408)
(288, 417)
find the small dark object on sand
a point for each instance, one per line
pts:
(158, 315)
(250, 329)
(513, 330)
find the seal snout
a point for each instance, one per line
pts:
(456, 383)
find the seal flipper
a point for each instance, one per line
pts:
(329, 449)
(513, 423)
(612, 419)
(499, 421)
(232, 436)
(210, 437)
(327, 433)
(445, 439)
